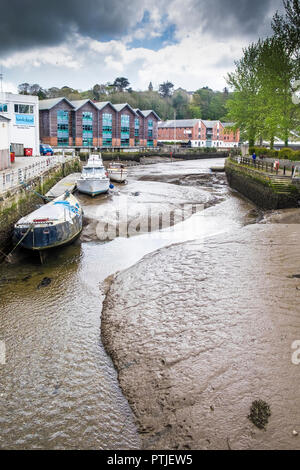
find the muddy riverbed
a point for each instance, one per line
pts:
(59, 389)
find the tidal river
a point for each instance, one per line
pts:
(59, 389)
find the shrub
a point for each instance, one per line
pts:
(286, 153)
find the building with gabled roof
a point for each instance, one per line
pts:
(85, 123)
(199, 133)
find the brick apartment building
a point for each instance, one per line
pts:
(85, 123)
(199, 133)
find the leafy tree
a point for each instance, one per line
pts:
(166, 89)
(24, 89)
(276, 73)
(287, 27)
(37, 90)
(121, 83)
(195, 111)
(180, 103)
(243, 108)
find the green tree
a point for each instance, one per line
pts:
(166, 89)
(243, 108)
(121, 83)
(24, 88)
(180, 103)
(287, 27)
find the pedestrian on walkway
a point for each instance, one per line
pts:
(254, 158)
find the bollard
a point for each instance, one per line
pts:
(284, 170)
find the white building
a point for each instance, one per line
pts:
(4, 143)
(23, 112)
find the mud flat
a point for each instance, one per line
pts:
(199, 330)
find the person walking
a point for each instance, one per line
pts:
(254, 158)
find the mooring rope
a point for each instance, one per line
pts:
(20, 241)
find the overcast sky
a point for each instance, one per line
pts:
(79, 43)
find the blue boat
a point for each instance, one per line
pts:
(55, 224)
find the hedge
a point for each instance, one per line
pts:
(283, 154)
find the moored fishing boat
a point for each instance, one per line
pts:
(117, 172)
(55, 224)
(93, 179)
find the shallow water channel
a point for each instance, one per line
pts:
(58, 388)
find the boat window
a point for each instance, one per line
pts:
(99, 171)
(88, 171)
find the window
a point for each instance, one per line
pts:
(149, 143)
(62, 141)
(150, 123)
(87, 141)
(125, 123)
(23, 109)
(87, 128)
(106, 142)
(3, 108)
(62, 127)
(137, 123)
(106, 120)
(150, 133)
(62, 117)
(124, 142)
(136, 132)
(87, 117)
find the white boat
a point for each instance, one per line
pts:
(117, 172)
(55, 224)
(93, 179)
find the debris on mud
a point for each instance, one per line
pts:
(44, 282)
(259, 414)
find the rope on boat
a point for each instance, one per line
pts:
(45, 198)
(20, 241)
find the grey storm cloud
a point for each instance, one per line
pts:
(241, 17)
(29, 23)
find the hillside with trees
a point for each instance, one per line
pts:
(166, 102)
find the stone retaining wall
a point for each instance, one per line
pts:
(258, 189)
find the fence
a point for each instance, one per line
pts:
(262, 165)
(10, 179)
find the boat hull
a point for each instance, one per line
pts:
(93, 187)
(45, 238)
(119, 177)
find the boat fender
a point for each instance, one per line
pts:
(111, 186)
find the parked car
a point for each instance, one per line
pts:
(46, 149)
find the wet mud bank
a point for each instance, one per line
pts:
(198, 331)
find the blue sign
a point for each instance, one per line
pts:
(24, 119)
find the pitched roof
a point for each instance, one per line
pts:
(228, 124)
(50, 103)
(178, 123)
(79, 103)
(148, 112)
(209, 124)
(121, 106)
(101, 104)
(4, 118)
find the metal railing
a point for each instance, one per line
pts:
(265, 166)
(10, 179)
